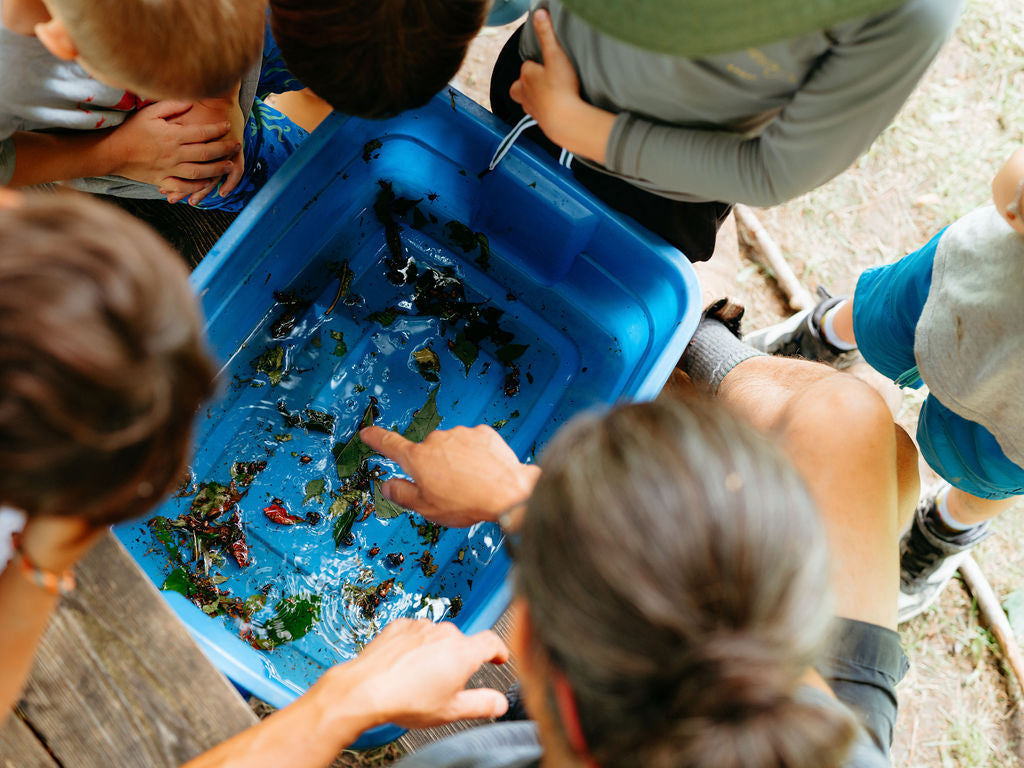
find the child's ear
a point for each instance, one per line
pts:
(54, 35)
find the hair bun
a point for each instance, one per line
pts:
(738, 678)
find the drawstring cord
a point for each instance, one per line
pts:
(565, 159)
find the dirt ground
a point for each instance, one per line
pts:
(959, 705)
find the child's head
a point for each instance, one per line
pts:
(162, 49)
(375, 59)
(1008, 190)
(102, 361)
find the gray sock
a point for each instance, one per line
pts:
(712, 353)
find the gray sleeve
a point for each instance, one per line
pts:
(6, 161)
(501, 745)
(836, 115)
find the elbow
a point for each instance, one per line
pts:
(776, 177)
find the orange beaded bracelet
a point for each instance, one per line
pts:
(54, 583)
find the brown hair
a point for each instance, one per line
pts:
(167, 48)
(102, 363)
(675, 572)
(375, 59)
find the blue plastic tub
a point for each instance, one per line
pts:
(595, 309)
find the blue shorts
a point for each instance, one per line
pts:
(886, 308)
(270, 137)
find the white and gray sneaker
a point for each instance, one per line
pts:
(928, 559)
(800, 336)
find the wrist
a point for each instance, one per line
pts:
(349, 705)
(510, 514)
(106, 155)
(585, 130)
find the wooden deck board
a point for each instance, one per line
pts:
(19, 747)
(118, 675)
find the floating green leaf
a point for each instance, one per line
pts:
(318, 421)
(383, 507)
(340, 348)
(384, 317)
(350, 456)
(500, 423)
(425, 420)
(293, 618)
(314, 490)
(271, 362)
(511, 352)
(428, 363)
(283, 438)
(178, 581)
(254, 604)
(369, 148)
(465, 350)
(343, 525)
(484, 259)
(161, 527)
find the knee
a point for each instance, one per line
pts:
(846, 409)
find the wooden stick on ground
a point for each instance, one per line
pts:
(799, 297)
(994, 616)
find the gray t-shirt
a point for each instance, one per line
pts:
(759, 126)
(968, 343)
(515, 745)
(39, 92)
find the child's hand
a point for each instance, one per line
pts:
(550, 93)
(215, 110)
(148, 147)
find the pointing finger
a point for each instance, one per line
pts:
(388, 443)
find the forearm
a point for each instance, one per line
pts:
(44, 157)
(855, 91)
(307, 734)
(26, 610)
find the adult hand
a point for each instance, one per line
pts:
(550, 93)
(460, 476)
(414, 674)
(148, 147)
(56, 543)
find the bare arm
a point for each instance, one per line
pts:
(54, 544)
(145, 148)
(413, 674)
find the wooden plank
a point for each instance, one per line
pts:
(19, 747)
(490, 676)
(190, 231)
(118, 680)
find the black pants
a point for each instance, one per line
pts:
(690, 227)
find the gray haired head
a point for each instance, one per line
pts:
(676, 572)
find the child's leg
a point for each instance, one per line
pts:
(969, 509)
(948, 525)
(880, 320)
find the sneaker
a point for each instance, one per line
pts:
(800, 335)
(928, 560)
